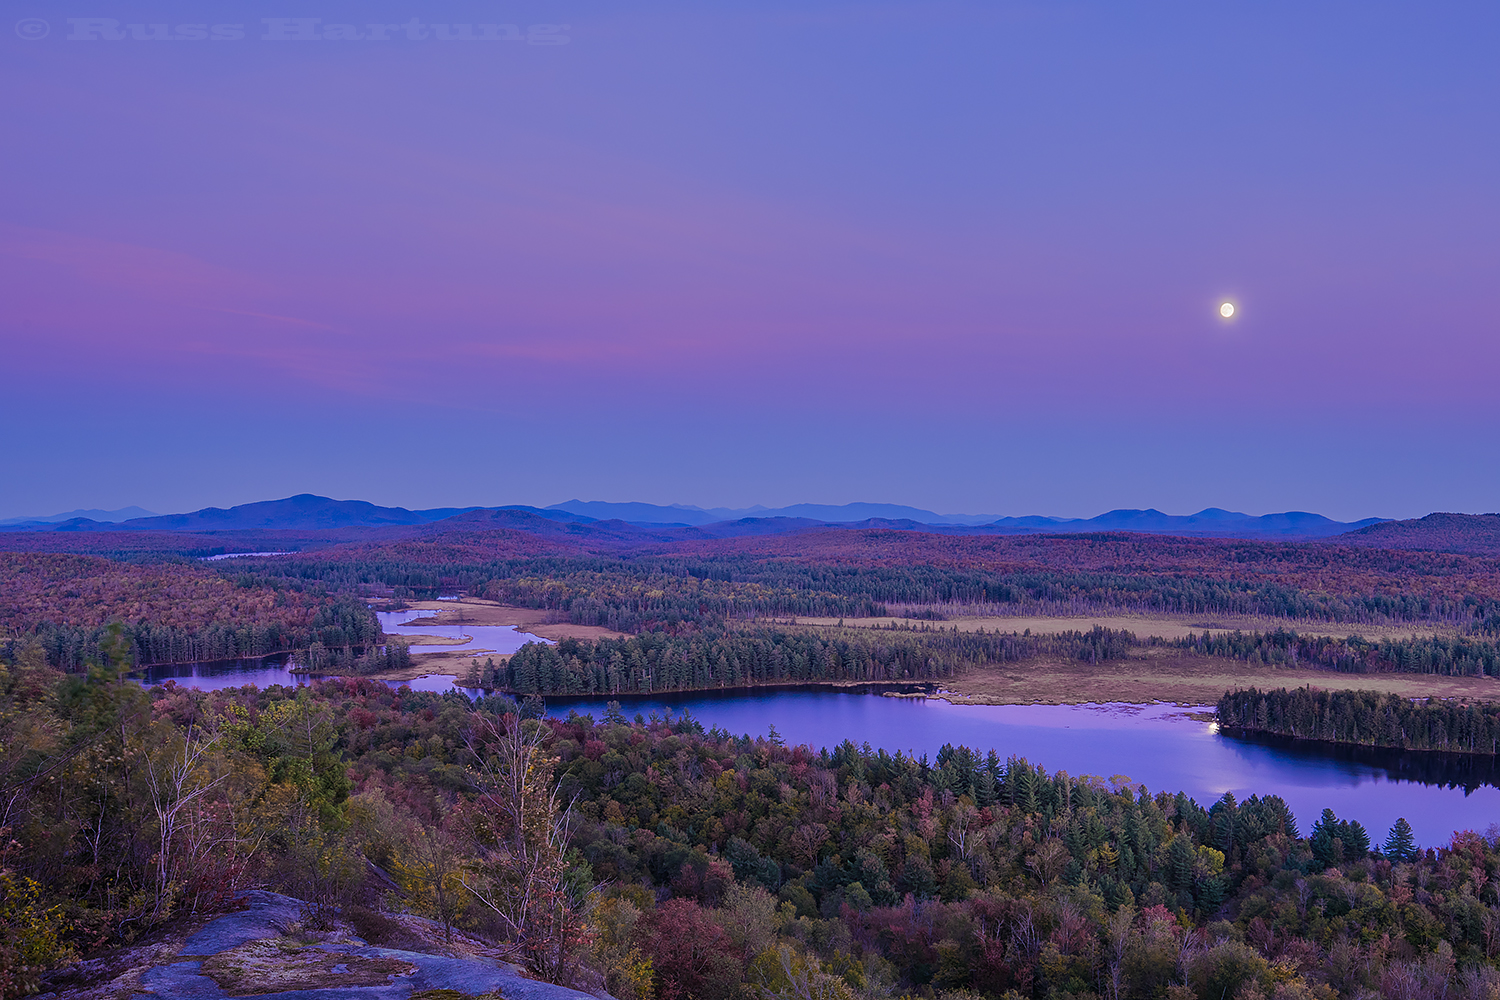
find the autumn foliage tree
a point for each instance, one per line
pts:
(525, 877)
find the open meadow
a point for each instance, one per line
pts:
(1142, 625)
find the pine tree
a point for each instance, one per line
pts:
(1400, 845)
(1324, 840)
(1023, 785)
(1179, 866)
(1356, 839)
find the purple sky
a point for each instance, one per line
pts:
(966, 256)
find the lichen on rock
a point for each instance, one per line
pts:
(279, 965)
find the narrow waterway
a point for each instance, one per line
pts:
(500, 639)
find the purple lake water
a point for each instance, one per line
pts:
(1159, 746)
(481, 638)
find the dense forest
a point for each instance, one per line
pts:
(1462, 656)
(852, 573)
(89, 590)
(633, 580)
(1366, 717)
(1440, 532)
(170, 613)
(704, 864)
(174, 609)
(177, 612)
(748, 656)
(711, 658)
(336, 630)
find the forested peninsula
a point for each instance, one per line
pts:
(1366, 718)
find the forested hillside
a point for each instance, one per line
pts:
(166, 612)
(1476, 533)
(861, 573)
(704, 864)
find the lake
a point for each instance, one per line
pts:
(1159, 746)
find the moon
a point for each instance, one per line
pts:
(1226, 310)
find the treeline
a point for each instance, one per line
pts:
(713, 658)
(1460, 656)
(344, 626)
(716, 657)
(1366, 717)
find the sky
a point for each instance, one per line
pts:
(964, 256)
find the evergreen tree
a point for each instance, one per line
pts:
(1223, 816)
(1356, 839)
(1180, 857)
(1400, 845)
(1023, 784)
(1327, 846)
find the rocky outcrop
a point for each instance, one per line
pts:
(260, 951)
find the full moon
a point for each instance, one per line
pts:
(1226, 310)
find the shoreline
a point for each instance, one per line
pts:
(1271, 736)
(1190, 682)
(1162, 674)
(532, 621)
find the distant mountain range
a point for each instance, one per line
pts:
(1213, 521)
(123, 514)
(307, 512)
(682, 514)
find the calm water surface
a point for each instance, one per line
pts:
(1155, 745)
(223, 674)
(265, 672)
(1159, 746)
(277, 669)
(482, 638)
